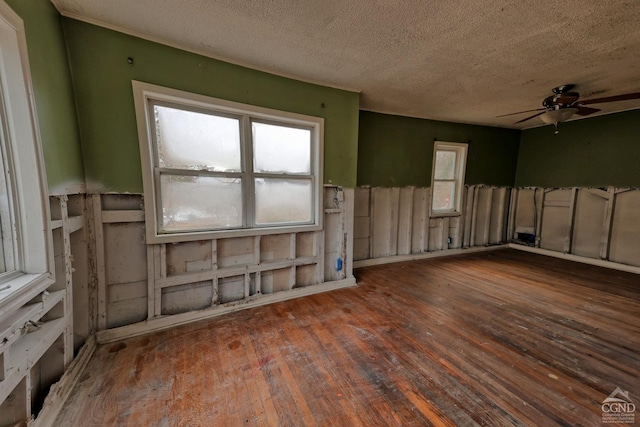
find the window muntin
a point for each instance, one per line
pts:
(262, 166)
(449, 160)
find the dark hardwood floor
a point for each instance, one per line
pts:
(497, 338)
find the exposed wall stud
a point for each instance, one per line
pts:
(394, 201)
(474, 216)
(68, 273)
(539, 204)
(100, 261)
(405, 220)
(427, 224)
(151, 269)
(445, 233)
(459, 236)
(163, 260)
(487, 216)
(570, 219)
(349, 210)
(501, 215)
(468, 215)
(420, 220)
(608, 219)
(513, 209)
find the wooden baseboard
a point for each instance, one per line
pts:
(576, 258)
(60, 391)
(425, 255)
(164, 322)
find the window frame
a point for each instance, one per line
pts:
(22, 155)
(146, 95)
(461, 150)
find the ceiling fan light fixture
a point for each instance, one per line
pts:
(559, 115)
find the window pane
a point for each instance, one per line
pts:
(445, 165)
(283, 201)
(189, 140)
(7, 255)
(281, 149)
(200, 202)
(443, 195)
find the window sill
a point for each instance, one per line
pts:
(444, 214)
(22, 289)
(225, 234)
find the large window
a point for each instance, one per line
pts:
(449, 160)
(26, 261)
(219, 168)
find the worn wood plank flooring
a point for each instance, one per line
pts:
(499, 338)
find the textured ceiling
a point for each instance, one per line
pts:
(458, 60)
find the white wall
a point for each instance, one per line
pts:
(138, 284)
(392, 222)
(593, 223)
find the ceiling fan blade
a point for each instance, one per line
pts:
(623, 97)
(531, 117)
(520, 112)
(585, 111)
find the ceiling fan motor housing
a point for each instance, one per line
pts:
(563, 88)
(562, 98)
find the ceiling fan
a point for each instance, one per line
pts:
(564, 103)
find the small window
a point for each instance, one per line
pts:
(216, 168)
(449, 160)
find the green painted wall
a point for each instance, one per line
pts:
(102, 79)
(360, 147)
(396, 151)
(594, 152)
(53, 91)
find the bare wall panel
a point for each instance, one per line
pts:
(555, 220)
(483, 216)
(588, 223)
(382, 222)
(361, 223)
(625, 229)
(526, 217)
(405, 220)
(125, 262)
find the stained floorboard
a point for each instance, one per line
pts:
(499, 338)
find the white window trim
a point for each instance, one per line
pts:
(144, 92)
(34, 254)
(461, 166)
